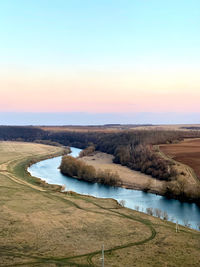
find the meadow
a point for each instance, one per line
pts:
(41, 226)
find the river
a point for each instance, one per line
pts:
(177, 211)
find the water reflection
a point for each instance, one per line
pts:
(48, 171)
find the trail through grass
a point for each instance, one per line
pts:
(40, 226)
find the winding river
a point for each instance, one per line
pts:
(184, 213)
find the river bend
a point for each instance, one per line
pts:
(176, 210)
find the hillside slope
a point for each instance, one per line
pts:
(39, 226)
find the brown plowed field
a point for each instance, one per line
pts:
(186, 152)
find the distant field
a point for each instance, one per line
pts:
(186, 152)
(40, 226)
(116, 128)
(80, 129)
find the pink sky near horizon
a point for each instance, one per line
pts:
(100, 56)
(100, 91)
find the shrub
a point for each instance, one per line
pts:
(165, 216)
(158, 213)
(87, 151)
(122, 203)
(149, 211)
(76, 168)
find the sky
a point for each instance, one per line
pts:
(119, 60)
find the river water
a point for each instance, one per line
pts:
(177, 211)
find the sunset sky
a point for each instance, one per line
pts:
(117, 57)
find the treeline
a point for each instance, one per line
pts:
(76, 168)
(191, 128)
(87, 151)
(133, 148)
(144, 159)
(106, 142)
(20, 133)
(47, 142)
(181, 190)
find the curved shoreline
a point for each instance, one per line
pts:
(38, 181)
(133, 199)
(135, 180)
(56, 187)
(150, 191)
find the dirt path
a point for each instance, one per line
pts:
(89, 256)
(22, 182)
(42, 227)
(8, 171)
(5, 171)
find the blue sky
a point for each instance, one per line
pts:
(91, 33)
(100, 57)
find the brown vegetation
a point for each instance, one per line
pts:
(87, 151)
(129, 178)
(120, 127)
(186, 157)
(142, 158)
(187, 152)
(42, 227)
(131, 148)
(76, 168)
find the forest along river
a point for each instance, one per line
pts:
(184, 213)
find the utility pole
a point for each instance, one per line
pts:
(176, 226)
(102, 256)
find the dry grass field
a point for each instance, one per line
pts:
(114, 128)
(40, 226)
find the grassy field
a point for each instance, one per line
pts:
(40, 226)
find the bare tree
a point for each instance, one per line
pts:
(165, 216)
(158, 213)
(122, 203)
(137, 208)
(149, 211)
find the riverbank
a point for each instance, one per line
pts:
(184, 213)
(139, 181)
(50, 228)
(130, 179)
(185, 157)
(20, 168)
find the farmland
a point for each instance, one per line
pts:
(186, 152)
(120, 127)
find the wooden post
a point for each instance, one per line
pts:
(102, 256)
